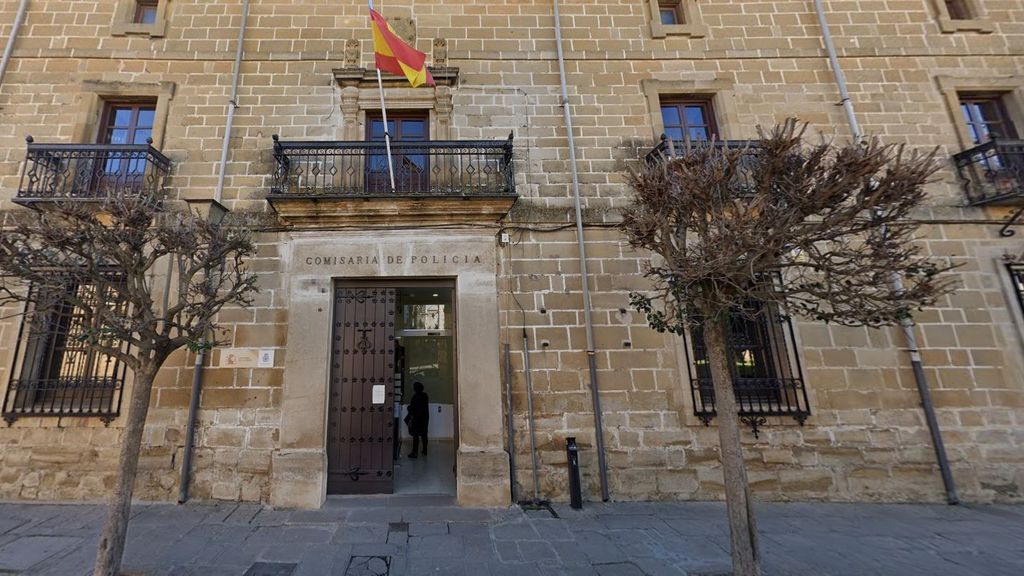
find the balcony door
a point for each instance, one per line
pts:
(123, 124)
(411, 161)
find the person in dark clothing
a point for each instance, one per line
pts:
(418, 418)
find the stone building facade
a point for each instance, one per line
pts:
(913, 67)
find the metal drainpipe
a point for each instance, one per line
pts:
(511, 422)
(595, 391)
(18, 19)
(197, 370)
(895, 280)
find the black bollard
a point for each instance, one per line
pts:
(575, 493)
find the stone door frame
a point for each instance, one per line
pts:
(312, 262)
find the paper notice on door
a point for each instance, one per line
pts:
(378, 394)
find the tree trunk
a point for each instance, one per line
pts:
(111, 546)
(746, 555)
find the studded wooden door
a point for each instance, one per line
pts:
(360, 435)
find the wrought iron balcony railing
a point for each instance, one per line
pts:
(756, 398)
(667, 149)
(90, 171)
(441, 168)
(993, 172)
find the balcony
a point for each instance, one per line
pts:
(992, 174)
(436, 181)
(667, 149)
(54, 172)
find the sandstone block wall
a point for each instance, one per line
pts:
(762, 60)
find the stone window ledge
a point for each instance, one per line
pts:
(950, 26)
(980, 23)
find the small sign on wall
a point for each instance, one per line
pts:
(246, 358)
(237, 358)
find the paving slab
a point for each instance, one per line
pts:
(427, 535)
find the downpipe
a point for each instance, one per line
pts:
(511, 423)
(19, 18)
(595, 391)
(200, 364)
(895, 280)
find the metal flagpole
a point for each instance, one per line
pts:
(384, 115)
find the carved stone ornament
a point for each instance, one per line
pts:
(440, 52)
(404, 27)
(352, 53)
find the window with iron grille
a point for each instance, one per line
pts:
(767, 379)
(60, 372)
(1017, 277)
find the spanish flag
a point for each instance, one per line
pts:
(395, 56)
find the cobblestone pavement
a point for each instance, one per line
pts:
(407, 536)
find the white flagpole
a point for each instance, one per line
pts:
(384, 114)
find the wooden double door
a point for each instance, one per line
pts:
(360, 431)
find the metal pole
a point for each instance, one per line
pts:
(384, 115)
(511, 424)
(232, 103)
(18, 19)
(387, 133)
(895, 280)
(837, 71)
(595, 391)
(529, 412)
(197, 370)
(190, 430)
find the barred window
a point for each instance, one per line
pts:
(59, 371)
(1017, 276)
(766, 372)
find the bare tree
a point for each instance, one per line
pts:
(817, 230)
(118, 247)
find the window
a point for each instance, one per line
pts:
(140, 18)
(145, 12)
(671, 13)
(411, 161)
(958, 10)
(766, 376)
(962, 15)
(986, 117)
(1017, 277)
(691, 119)
(61, 373)
(675, 18)
(123, 124)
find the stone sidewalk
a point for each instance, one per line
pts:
(411, 536)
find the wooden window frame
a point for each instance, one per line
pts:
(688, 13)
(999, 100)
(681, 102)
(136, 104)
(978, 21)
(140, 11)
(126, 19)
